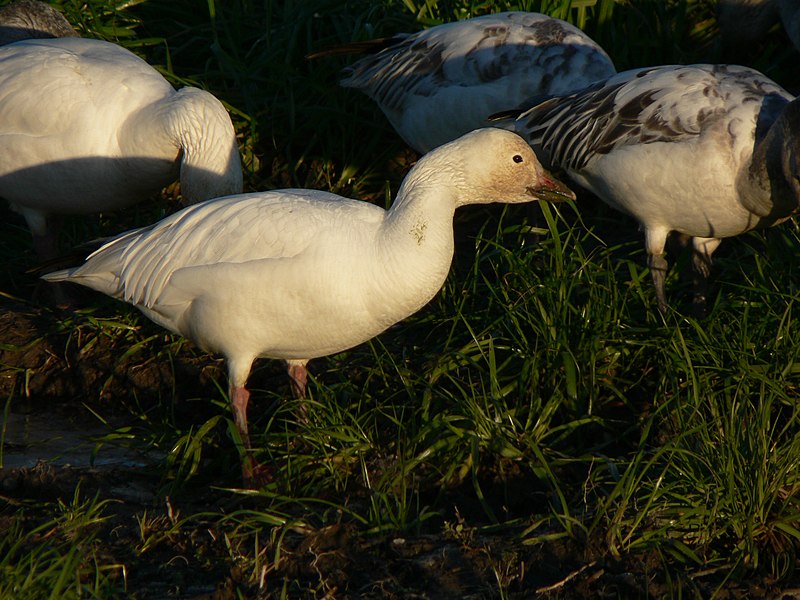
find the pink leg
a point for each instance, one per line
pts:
(298, 377)
(46, 246)
(253, 473)
(239, 398)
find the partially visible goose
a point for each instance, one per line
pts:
(299, 274)
(31, 19)
(710, 151)
(87, 126)
(742, 23)
(442, 82)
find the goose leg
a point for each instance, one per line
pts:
(240, 397)
(655, 240)
(658, 270)
(45, 233)
(44, 230)
(703, 248)
(253, 473)
(298, 379)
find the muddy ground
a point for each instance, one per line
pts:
(57, 378)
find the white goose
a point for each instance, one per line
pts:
(299, 274)
(87, 126)
(30, 19)
(709, 151)
(437, 84)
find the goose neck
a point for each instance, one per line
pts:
(423, 209)
(775, 166)
(191, 126)
(415, 243)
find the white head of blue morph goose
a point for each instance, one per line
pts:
(442, 82)
(87, 126)
(709, 151)
(299, 274)
(31, 19)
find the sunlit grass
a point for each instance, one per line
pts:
(58, 558)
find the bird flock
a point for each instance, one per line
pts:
(494, 104)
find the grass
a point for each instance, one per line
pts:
(60, 557)
(538, 419)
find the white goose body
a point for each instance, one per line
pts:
(87, 126)
(679, 148)
(442, 82)
(312, 269)
(298, 274)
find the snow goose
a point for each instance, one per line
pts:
(298, 274)
(709, 151)
(87, 126)
(29, 19)
(442, 82)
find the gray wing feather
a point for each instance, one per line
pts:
(661, 104)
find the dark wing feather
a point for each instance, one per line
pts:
(636, 107)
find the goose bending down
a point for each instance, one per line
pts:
(30, 19)
(440, 83)
(709, 151)
(299, 274)
(87, 126)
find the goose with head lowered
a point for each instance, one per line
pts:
(440, 83)
(87, 126)
(708, 151)
(299, 274)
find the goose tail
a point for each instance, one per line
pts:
(102, 268)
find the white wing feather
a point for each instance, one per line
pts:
(227, 230)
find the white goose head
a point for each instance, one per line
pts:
(486, 165)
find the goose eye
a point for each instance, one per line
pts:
(517, 158)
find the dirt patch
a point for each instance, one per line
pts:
(46, 357)
(197, 540)
(194, 548)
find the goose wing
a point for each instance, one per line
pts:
(542, 53)
(138, 266)
(643, 106)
